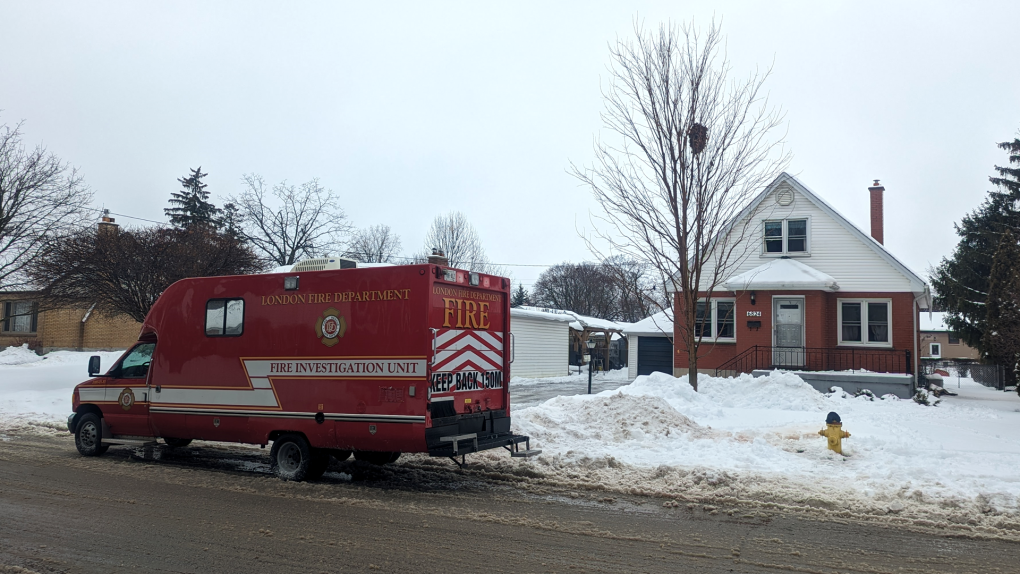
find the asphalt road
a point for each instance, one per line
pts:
(214, 508)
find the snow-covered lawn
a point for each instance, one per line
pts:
(744, 437)
(736, 439)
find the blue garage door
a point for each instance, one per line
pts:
(654, 354)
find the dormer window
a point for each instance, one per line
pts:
(785, 236)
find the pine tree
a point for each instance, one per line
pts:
(961, 281)
(191, 205)
(1001, 341)
(520, 297)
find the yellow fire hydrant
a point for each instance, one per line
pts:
(834, 432)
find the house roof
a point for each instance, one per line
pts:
(660, 323)
(781, 274)
(918, 285)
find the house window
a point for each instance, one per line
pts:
(865, 322)
(20, 317)
(716, 320)
(224, 317)
(784, 236)
(954, 339)
(935, 350)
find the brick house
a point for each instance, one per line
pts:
(811, 292)
(21, 321)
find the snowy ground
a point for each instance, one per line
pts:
(737, 440)
(37, 390)
(756, 439)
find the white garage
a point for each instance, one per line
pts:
(650, 345)
(541, 342)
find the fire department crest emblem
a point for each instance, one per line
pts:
(126, 399)
(330, 327)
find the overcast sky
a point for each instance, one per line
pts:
(408, 110)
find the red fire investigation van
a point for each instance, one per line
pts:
(374, 362)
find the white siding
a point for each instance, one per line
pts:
(833, 249)
(540, 347)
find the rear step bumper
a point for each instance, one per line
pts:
(459, 445)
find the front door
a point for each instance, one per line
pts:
(788, 350)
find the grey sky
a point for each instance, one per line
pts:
(408, 110)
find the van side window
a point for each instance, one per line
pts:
(224, 317)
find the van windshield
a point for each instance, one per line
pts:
(135, 365)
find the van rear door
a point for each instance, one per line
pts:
(470, 341)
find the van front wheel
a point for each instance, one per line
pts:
(88, 437)
(291, 457)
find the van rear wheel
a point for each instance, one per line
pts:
(176, 442)
(291, 457)
(88, 437)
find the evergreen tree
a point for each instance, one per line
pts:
(520, 297)
(1001, 340)
(230, 219)
(961, 281)
(191, 205)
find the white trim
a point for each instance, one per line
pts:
(715, 326)
(931, 350)
(864, 301)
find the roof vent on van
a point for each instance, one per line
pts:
(323, 263)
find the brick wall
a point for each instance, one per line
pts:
(62, 329)
(820, 329)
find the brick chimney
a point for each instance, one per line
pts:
(107, 226)
(439, 258)
(877, 229)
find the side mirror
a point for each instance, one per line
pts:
(93, 365)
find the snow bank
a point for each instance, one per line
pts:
(18, 356)
(37, 389)
(757, 437)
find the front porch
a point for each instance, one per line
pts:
(881, 371)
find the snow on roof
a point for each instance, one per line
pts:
(660, 323)
(577, 322)
(534, 313)
(781, 274)
(933, 322)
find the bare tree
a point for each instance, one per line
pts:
(454, 235)
(125, 272)
(305, 222)
(375, 244)
(691, 148)
(616, 289)
(41, 198)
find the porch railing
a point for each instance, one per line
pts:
(819, 359)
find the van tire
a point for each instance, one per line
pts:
(318, 465)
(376, 457)
(88, 437)
(291, 457)
(340, 455)
(176, 442)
